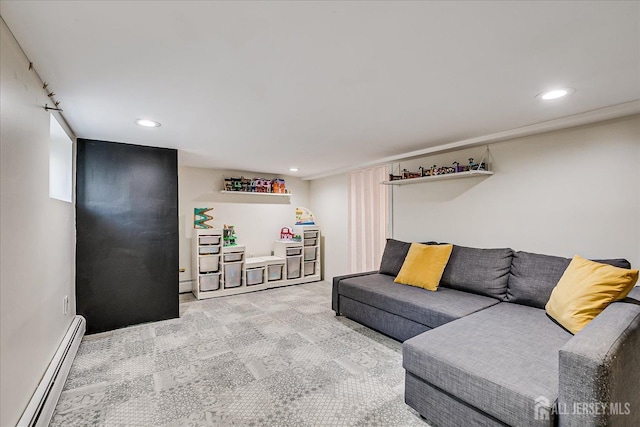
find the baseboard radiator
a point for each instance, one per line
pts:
(44, 400)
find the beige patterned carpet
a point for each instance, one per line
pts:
(272, 358)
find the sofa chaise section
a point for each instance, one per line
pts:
(402, 311)
(501, 362)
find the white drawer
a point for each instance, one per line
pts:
(309, 268)
(255, 276)
(295, 251)
(210, 283)
(209, 250)
(209, 240)
(274, 272)
(209, 264)
(233, 256)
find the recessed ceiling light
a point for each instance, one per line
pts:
(293, 169)
(555, 94)
(147, 123)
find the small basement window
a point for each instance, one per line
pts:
(60, 162)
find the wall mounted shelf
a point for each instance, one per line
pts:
(251, 193)
(457, 175)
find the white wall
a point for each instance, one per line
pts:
(38, 237)
(257, 219)
(329, 203)
(561, 193)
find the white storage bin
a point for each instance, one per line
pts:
(274, 272)
(310, 254)
(209, 250)
(233, 256)
(210, 283)
(208, 264)
(255, 276)
(310, 242)
(209, 240)
(295, 251)
(309, 268)
(294, 267)
(310, 235)
(232, 275)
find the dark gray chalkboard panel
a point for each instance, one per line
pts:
(127, 234)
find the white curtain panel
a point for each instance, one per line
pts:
(368, 207)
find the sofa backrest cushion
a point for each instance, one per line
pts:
(480, 271)
(395, 251)
(533, 277)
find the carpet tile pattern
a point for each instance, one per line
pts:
(271, 358)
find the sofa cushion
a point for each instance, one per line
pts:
(585, 289)
(393, 257)
(424, 265)
(498, 360)
(481, 271)
(419, 305)
(533, 276)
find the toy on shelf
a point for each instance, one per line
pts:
(286, 233)
(245, 184)
(255, 185)
(229, 235)
(408, 175)
(278, 186)
(304, 217)
(237, 184)
(201, 218)
(436, 170)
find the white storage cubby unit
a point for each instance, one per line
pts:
(224, 270)
(310, 250)
(207, 249)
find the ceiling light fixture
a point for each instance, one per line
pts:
(293, 169)
(555, 94)
(147, 123)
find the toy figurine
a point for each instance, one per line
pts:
(456, 166)
(229, 235)
(278, 186)
(286, 233)
(237, 184)
(246, 184)
(393, 177)
(228, 184)
(252, 186)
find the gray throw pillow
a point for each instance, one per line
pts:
(479, 271)
(395, 251)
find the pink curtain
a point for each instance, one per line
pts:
(368, 207)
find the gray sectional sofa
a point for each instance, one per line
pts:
(481, 351)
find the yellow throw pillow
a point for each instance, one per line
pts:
(585, 289)
(424, 265)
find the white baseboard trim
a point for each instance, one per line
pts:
(184, 286)
(44, 400)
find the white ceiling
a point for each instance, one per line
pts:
(264, 86)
